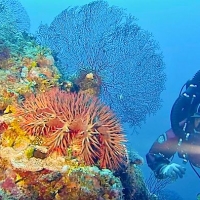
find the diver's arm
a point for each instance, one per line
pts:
(161, 151)
(156, 162)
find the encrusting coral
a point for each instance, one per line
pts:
(59, 179)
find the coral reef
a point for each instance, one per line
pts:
(25, 67)
(134, 187)
(108, 43)
(57, 139)
(59, 179)
(25, 161)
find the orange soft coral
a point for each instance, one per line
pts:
(78, 121)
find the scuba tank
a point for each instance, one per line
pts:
(184, 106)
(183, 109)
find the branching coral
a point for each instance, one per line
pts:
(112, 46)
(77, 121)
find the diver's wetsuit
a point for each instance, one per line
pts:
(167, 145)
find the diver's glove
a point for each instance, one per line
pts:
(172, 170)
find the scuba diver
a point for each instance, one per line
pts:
(183, 137)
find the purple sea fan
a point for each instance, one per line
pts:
(108, 42)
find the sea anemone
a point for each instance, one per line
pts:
(77, 121)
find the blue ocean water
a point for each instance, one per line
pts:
(176, 26)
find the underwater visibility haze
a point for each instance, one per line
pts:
(86, 88)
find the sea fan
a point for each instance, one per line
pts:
(108, 42)
(77, 121)
(13, 14)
